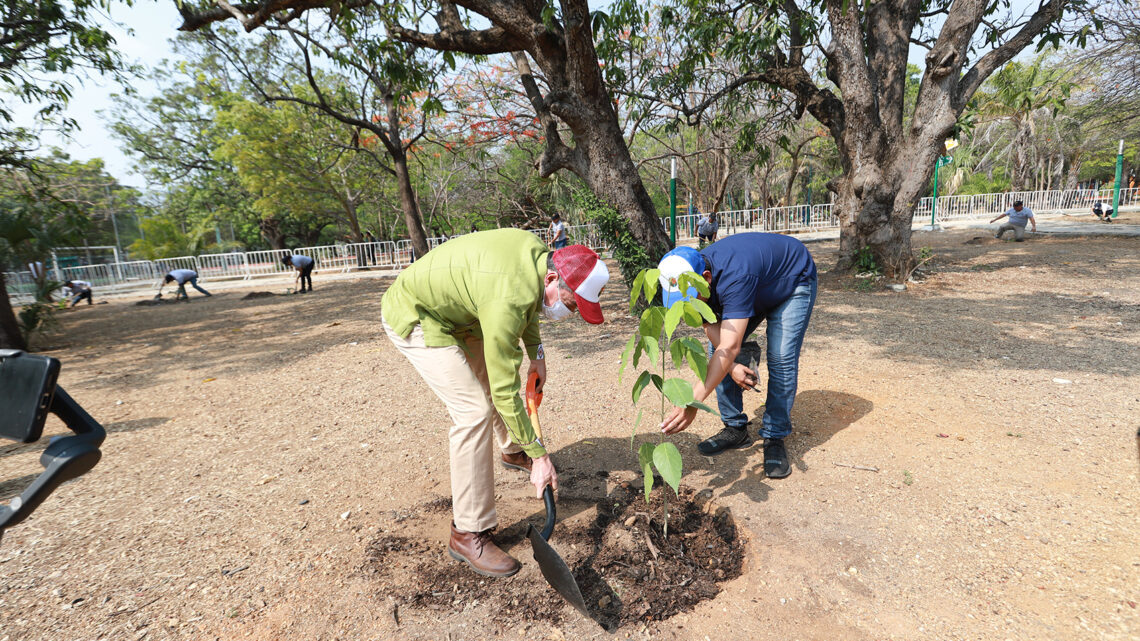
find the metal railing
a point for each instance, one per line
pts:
(396, 255)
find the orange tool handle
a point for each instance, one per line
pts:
(533, 400)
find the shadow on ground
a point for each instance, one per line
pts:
(585, 466)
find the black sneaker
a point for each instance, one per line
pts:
(730, 438)
(776, 459)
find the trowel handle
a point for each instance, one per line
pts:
(533, 400)
(551, 514)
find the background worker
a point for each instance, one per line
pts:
(752, 277)
(1098, 211)
(181, 276)
(1018, 215)
(77, 290)
(304, 266)
(707, 228)
(558, 236)
(458, 315)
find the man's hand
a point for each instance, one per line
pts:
(542, 473)
(744, 377)
(678, 420)
(539, 366)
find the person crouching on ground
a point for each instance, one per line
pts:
(458, 314)
(77, 290)
(304, 266)
(1018, 216)
(181, 276)
(752, 277)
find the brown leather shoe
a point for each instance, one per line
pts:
(478, 549)
(518, 461)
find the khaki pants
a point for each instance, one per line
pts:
(1018, 232)
(459, 379)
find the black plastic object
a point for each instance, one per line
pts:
(26, 386)
(554, 569)
(66, 457)
(752, 356)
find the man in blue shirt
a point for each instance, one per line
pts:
(1018, 216)
(752, 277)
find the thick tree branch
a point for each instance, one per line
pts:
(556, 155)
(1045, 15)
(485, 42)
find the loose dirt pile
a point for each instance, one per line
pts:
(627, 570)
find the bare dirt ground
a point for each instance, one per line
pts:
(259, 449)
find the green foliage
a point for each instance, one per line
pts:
(37, 317)
(164, 239)
(658, 324)
(865, 261)
(44, 45)
(629, 253)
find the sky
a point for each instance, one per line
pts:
(149, 27)
(153, 24)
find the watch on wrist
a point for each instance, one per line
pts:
(539, 354)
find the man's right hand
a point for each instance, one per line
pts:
(542, 473)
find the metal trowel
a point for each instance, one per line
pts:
(554, 569)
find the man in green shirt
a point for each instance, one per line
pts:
(458, 315)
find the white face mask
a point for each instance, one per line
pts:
(556, 312)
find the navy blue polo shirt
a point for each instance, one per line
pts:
(754, 273)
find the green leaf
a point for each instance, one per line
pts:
(645, 460)
(652, 277)
(672, 318)
(677, 350)
(705, 310)
(635, 289)
(694, 280)
(691, 315)
(652, 350)
(639, 386)
(634, 432)
(702, 406)
(678, 391)
(667, 460)
(652, 320)
(699, 363)
(626, 353)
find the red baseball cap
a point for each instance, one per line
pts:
(586, 275)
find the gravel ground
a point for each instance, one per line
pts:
(257, 447)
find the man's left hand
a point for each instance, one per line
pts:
(678, 420)
(539, 366)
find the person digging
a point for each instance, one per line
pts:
(304, 266)
(752, 277)
(458, 314)
(180, 276)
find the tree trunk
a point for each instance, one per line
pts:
(409, 205)
(10, 335)
(270, 229)
(877, 211)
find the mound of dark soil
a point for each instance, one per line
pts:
(627, 569)
(254, 295)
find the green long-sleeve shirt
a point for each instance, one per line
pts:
(488, 285)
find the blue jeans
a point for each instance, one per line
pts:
(559, 244)
(787, 325)
(193, 283)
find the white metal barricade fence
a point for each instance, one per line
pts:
(217, 266)
(266, 262)
(140, 274)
